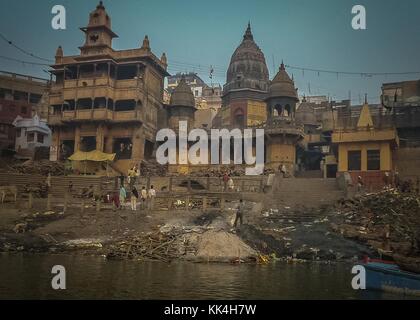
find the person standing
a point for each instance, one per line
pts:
(143, 197)
(48, 182)
(231, 185)
(123, 195)
(134, 197)
(225, 181)
(152, 195)
(240, 213)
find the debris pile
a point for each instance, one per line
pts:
(42, 167)
(207, 242)
(389, 221)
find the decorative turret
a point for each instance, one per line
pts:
(146, 43)
(163, 59)
(59, 55)
(98, 32)
(182, 105)
(282, 95)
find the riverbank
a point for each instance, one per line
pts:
(195, 235)
(383, 224)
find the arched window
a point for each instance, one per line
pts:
(287, 110)
(278, 110)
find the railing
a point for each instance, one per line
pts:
(100, 114)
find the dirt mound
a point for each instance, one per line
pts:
(221, 246)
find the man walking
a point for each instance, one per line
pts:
(152, 195)
(240, 213)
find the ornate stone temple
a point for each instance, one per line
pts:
(105, 99)
(246, 86)
(281, 130)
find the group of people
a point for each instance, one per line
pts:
(146, 197)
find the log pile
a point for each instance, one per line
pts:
(388, 221)
(153, 169)
(152, 246)
(42, 167)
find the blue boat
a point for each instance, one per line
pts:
(387, 276)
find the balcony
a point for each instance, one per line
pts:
(102, 114)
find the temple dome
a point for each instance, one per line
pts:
(182, 95)
(247, 68)
(282, 85)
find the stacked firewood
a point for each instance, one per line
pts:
(152, 246)
(153, 169)
(42, 167)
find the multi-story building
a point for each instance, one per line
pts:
(106, 99)
(23, 96)
(31, 133)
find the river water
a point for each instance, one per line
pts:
(28, 276)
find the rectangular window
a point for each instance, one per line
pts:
(18, 132)
(40, 138)
(122, 147)
(354, 160)
(31, 137)
(373, 160)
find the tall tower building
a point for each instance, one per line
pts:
(105, 99)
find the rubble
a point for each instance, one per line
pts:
(388, 221)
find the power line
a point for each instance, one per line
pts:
(22, 50)
(366, 74)
(24, 62)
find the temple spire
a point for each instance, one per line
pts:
(248, 33)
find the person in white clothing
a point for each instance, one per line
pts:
(151, 197)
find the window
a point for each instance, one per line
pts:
(40, 138)
(354, 160)
(18, 132)
(373, 160)
(122, 147)
(31, 137)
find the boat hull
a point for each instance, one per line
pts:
(391, 278)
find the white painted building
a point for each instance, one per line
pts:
(31, 133)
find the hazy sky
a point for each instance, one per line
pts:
(197, 34)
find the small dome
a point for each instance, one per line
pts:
(182, 95)
(282, 85)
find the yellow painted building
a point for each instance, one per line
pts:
(366, 150)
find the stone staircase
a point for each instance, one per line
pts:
(292, 193)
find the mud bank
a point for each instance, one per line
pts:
(193, 236)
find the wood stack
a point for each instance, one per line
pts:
(153, 246)
(42, 167)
